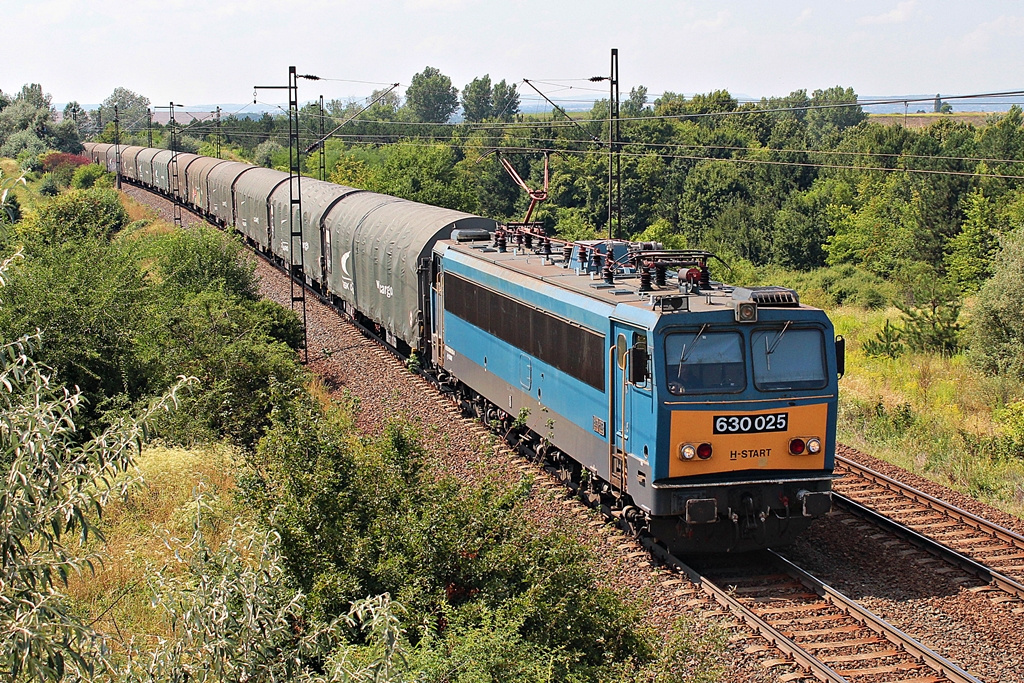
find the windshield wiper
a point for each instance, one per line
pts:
(769, 349)
(683, 354)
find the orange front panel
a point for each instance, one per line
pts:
(767, 450)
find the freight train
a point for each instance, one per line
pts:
(699, 413)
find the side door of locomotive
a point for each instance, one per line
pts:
(631, 401)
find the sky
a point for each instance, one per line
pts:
(213, 52)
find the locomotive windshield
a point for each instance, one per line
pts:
(704, 362)
(787, 358)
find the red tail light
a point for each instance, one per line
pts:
(797, 446)
(704, 451)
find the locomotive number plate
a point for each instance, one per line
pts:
(750, 424)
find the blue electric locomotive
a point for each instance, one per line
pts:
(705, 413)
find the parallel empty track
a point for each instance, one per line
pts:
(976, 545)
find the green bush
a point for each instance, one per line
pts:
(205, 259)
(844, 285)
(243, 372)
(996, 315)
(87, 176)
(265, 152)
(78, 214)
(482, 586)
(26, 147)
(48, 186)
(88, 297)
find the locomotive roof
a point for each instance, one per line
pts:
(626, 288)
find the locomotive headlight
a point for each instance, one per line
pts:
(814, 446)
(687, 452)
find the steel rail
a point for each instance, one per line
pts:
(802, 657)
(943, 552)
(877, 624)
(931, 501)
(809, 662)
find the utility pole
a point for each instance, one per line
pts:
(218, 132)
(614, 165)
(614, 177)
(173, 178)
(149, 128)
(296, 253)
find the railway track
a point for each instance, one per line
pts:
(829, 635)
(976, 545)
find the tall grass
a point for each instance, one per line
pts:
(931, 414)
(179, 491)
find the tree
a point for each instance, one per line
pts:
(265, 153)
(32, 94)
(73, 111)
(996, 316)
(28, 126)
(477, 99)
(884, 234)
(807, 219)
(931, 312)
(423, 174)
(24, 115)
(670, 104)
(505, 101)
(708, 189)
(431, 97)
(637, 102)
(384, 110)
(132, 109)
(1003, 139)
(711, 103)
(970, 252)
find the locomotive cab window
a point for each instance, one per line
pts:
(787, 358)
(704, 362)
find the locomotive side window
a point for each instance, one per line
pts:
(704, 362)
(574, 350)
(785, 358)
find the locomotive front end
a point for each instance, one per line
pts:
(746, 425)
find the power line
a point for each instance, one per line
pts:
(766, 162)
(392, 138)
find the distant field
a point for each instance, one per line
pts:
(974, 118)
